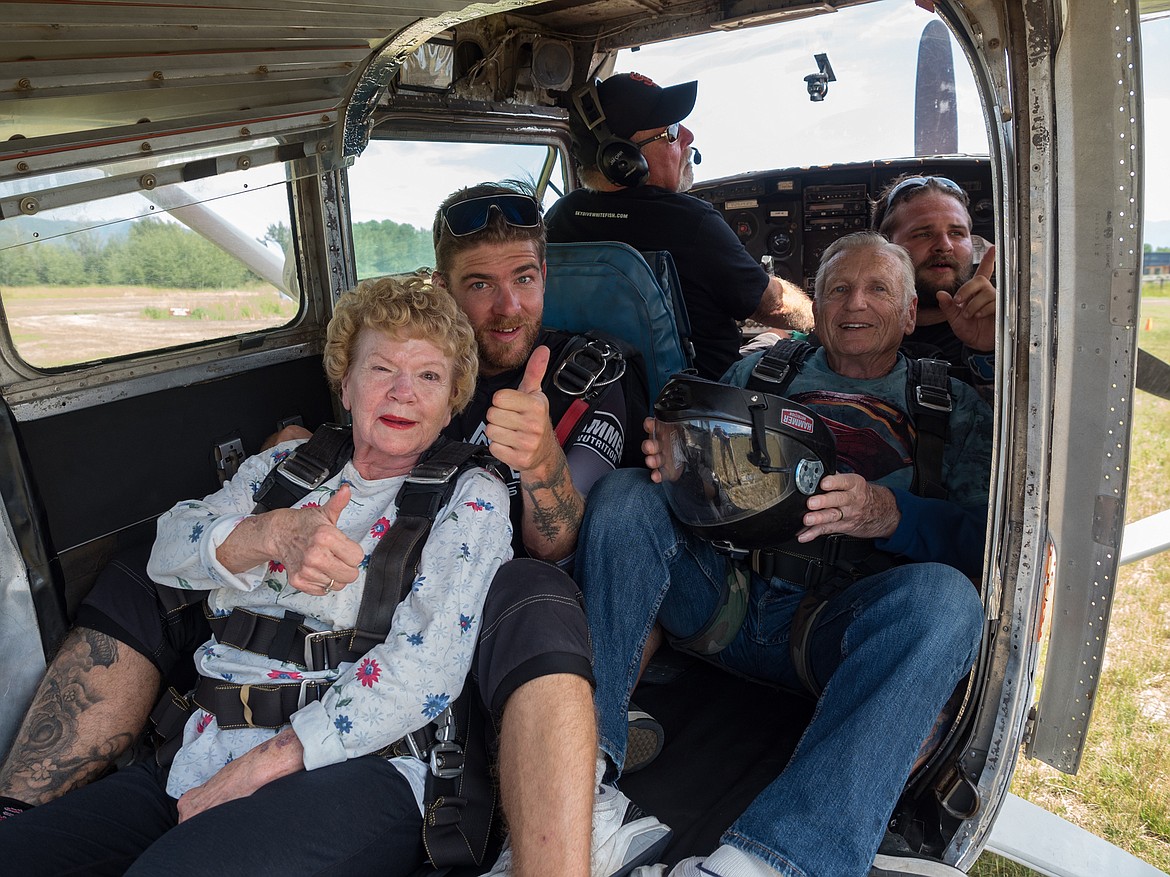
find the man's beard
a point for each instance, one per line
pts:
(928, 289)
(494, 357)
(687, 177)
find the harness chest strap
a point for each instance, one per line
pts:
(392, 568)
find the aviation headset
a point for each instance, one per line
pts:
(619, 160)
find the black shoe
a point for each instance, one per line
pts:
(644, 739)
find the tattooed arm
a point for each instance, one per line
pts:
(553, 509)
(90, 707)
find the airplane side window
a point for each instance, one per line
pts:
(104, 277)
(394, 192)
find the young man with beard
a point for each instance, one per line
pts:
(721, 282)
(928, 216)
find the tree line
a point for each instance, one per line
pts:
(162, 254)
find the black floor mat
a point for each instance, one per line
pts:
(726, 739)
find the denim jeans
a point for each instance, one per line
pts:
(888, 651)
(356, 817)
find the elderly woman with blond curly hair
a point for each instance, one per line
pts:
(310, 796)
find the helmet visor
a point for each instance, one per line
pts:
(710, 477)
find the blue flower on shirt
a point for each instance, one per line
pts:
(464, 551)
(415, 639)
(480, 505)
(365, 564)
(343, 724)
(435, 704)
(279, 456)
(465, 622)
(196, 532)
(418, 582)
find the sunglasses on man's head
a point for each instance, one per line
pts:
(468, 217)
(671, 135)
(911, 183)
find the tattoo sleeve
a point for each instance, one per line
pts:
(71, 735)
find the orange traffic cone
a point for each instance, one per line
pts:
(1149, 323)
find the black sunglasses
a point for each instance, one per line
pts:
(911, 183)
(670, 135)
(468, 217)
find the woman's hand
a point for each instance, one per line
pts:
(317, 556)
(240, 777)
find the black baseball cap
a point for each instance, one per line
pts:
(633, 102)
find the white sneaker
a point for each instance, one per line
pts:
(686, 868)
(623, 838)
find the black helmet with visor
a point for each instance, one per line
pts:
(738, 465)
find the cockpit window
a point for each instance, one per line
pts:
(755, 109)
(396, 186)
(166, 259)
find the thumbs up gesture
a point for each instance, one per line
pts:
(317, 556)
(519, 428)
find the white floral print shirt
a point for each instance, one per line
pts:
(395, 688)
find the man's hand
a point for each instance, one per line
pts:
(971, 310)
(274, 758)
(652, 450)
(850, 505)
(519, 428)
(317, 556)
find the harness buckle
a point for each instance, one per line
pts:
(311, 640)
(432, 473)
(303, 693)
(446, 760)
(769, 372)
(934, 398)
(303, 472)
(595, 365)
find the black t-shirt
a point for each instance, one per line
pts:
(596, 449)
(942, 338)
(976, 369)
(721, 282)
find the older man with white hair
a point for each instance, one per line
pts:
(866, 602)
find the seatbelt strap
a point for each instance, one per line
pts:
(305, 469)
(928, 401)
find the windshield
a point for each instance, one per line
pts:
(754, 110)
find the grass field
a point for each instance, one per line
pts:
(53, 326)
(1122, 791)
